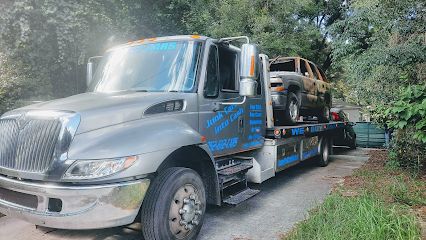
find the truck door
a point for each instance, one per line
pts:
(223, 125)
(255, 117)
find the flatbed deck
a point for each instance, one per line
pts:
(302, 129)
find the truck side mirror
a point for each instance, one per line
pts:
(90, 68)
(249, 70)
(89, 73)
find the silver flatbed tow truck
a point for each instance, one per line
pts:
(167, 126)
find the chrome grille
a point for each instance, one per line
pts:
(31, 148)
(9, 133)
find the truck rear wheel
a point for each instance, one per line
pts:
(324, 154)
(174, 206)
(292, 111)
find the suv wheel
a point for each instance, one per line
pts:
(174, 206)
(292, 111)
(324, 116)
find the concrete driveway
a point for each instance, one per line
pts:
(282, 202)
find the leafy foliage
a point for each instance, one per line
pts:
(279, 27)
(410, 111)
(407, 114)
(379, 46)
(45, 44)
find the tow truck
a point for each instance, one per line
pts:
(167, 126)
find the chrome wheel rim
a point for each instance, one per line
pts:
(293, 110)
(185, 211)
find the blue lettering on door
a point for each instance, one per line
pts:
(221, 126)
(216, 118)
(223, 144)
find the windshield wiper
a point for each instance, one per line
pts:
(139, 90)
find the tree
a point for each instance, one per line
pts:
(51, 41)
(380, 46)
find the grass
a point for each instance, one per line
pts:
(377, 202)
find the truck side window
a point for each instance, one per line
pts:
(314, 71)
(211, 87)
(303, 69)
(228, 69)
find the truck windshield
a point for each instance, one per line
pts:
(153, 67)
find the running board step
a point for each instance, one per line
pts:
(234, 169)
(241, 196)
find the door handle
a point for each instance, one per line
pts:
(240, 124)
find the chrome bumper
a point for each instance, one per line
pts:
(279, 100)
(83, 207)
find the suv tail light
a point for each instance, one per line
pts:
(335, 116)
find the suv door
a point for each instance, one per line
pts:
(222, 125)
(320, 84)
(309, 92)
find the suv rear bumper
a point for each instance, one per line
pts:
(81, 207)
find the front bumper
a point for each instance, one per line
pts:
(83, 207)
(279, 100)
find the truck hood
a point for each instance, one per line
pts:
(98, 110)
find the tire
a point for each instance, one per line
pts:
(324, 115)
(324, 156)
(176, 199)
(292, 110)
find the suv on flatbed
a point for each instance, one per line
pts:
(299, 87)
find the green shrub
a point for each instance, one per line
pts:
(409, 111)
(408, 151)
(407, 116)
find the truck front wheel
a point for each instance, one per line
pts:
(174, 206)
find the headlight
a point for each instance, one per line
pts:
(89, 169)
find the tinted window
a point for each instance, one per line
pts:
(314, 71)
(228, 69)
(211, 88)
